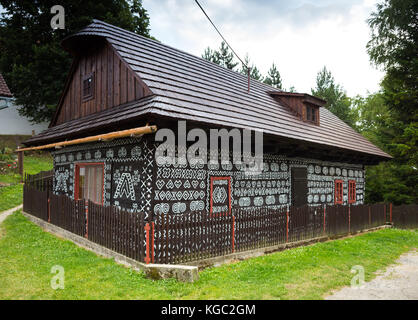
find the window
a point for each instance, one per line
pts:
(220, 196)
(88, 87)
(311, 114)
(351, 191)
(338, 192)
(89, 180)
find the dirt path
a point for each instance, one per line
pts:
(5, 214)
(398, 282)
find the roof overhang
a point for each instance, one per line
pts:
(101, 137)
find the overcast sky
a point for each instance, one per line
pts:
(300, 36)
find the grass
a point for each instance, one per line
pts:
(11, 196)
(27, 255)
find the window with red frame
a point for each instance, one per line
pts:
(89, 182)
(220, 196)
(351, 191)
(338, 191)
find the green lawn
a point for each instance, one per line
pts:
(11, 196)
(27, 255)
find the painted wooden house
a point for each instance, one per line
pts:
(120, 80)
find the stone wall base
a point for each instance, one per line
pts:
(243, 255)
(184, 273)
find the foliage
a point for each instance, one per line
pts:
(27, 254)
(337, 100)
(11, 195)
(273, 77)
(32, 60)
(254, 71)
(224, 56)
(390, 117)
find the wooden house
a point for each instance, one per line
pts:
(120, 80)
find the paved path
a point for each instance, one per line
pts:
(398, 282)
(5, 214)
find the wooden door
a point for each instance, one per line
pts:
(299, 187)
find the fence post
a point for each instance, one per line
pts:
(349, 218)
(49, 209)
(390, 212)
(147, 229)
(87, 219)
(233, 234)
(287, 224)
(324, 217)
(20, 157)
(384, 212)
(152, 242)
(370, 216)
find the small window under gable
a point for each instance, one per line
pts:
(88, 87)
(303, 105)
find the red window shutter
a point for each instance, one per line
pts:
(338, 192)
(351, 191)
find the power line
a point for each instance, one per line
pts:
(203, 10)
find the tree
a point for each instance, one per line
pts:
(337, 101)
(393, 46)
(254, 72)
(273, 77)
(391, 117)
(388, 181)
(224, 56)
(32, 60)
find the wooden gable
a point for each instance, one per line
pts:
(113, 84)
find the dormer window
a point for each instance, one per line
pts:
(88, 87)
(311, 114)
(303, 105)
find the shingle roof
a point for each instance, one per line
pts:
(191, 88)
(4, 89)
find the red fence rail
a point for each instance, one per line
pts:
(174, 239)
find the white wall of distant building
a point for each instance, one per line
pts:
(12, 123)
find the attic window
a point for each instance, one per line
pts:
(311, 114)
(88, 87)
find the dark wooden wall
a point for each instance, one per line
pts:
(115, 84)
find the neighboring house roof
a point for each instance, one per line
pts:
(191, 88)
(4, 89)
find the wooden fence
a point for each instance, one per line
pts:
(41, 181)
(405, 216)
(174, 239)
(110, 227)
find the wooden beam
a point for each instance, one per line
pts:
(100, 137)
(20, 158)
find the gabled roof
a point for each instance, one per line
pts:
(4, 89)
(191, 88)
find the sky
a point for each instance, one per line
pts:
(299, 36)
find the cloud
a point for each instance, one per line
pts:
(300, 36)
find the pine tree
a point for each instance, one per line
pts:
(273, 77)
(32, 60)
(224, 56)
(337, 101)
(254, 72)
